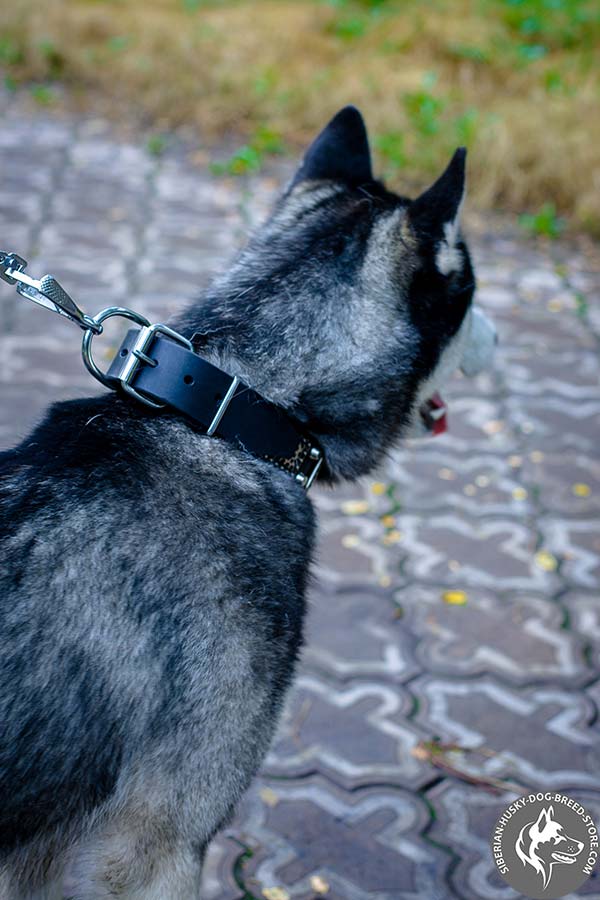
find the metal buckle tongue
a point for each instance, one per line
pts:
(46, 292)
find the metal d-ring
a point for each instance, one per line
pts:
(86, 344)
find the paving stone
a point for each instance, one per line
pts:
(520, 637)
(539, 281)
(577, 544)
(218, 873)
(530, 327)
(593, 315)
(567, 484)
(584, 619)
(572, 373)
(46, 360)
(496, 553)
(356, 734)
(542, 737)
(366, 845)
(475, 484)
(353, 549)
(357, 634)
(557, 423)
(495, 296)
(592, 694)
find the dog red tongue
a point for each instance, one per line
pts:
(437, 414)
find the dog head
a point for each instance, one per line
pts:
(351, 305)
(544, 844)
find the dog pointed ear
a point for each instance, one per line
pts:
(435, 215)
(340, 152)
(543, 819)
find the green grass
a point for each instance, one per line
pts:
(251, 156)
(42, 94)
(156, 144)
(544, 223)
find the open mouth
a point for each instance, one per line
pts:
(433, 413)
(563, 858)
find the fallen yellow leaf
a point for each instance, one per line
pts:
(355, 507)
(275, 893)
(493, 427)
(392, 537)
(446, 474)
(455, 598)
(546, 561)
(378, 487)
(581, 490)
(350, 540)
(319, 885)
(388, 521)
(269, 797)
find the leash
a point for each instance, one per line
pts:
(160, 369)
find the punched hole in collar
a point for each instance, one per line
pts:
(188, 379)
(124, 351)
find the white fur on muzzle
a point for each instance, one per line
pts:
(480, 343)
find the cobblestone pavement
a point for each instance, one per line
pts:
(456, 598)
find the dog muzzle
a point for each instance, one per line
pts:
(479, 345)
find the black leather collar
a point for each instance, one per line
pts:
(160, 368)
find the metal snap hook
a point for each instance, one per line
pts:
(46, 292)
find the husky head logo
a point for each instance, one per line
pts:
(544, 844)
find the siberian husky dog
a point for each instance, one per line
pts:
(152, 578)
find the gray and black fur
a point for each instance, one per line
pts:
(152, 579)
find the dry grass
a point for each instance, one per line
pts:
(516, 80)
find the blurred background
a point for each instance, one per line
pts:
(517, 81)
(452, 659)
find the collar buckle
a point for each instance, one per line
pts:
(139, 356)
(139, 352)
